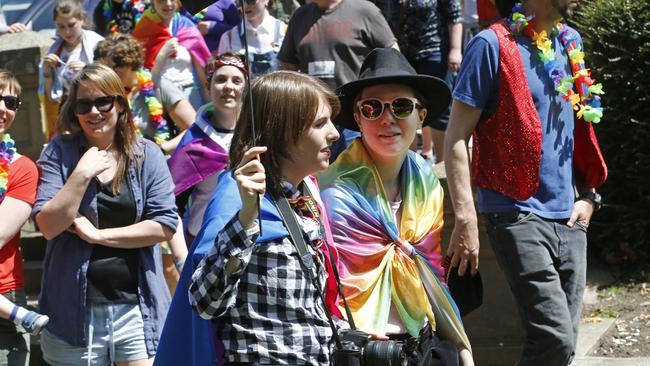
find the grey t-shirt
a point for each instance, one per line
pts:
(141, 116)
(331, 44)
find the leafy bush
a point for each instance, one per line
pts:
(616, 34)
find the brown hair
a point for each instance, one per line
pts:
(224, 59)
(8, 81)
(120, 50)
(74, 8)
(108, 83)
(286, 103)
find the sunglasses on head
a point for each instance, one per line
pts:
(401, 107)
(103, 104)
(11, 102)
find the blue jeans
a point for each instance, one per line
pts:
(545, 263)
(115, 333)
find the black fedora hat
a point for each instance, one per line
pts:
(389, 66)
(466, 290)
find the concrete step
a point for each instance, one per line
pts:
(589, 334)
(611, 361)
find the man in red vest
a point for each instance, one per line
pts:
(520, 84)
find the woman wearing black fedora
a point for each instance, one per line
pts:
(385, 207)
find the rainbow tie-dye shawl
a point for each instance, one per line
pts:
(375, 272)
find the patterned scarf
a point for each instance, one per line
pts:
(375, 269)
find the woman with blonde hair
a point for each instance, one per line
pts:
(385, 205)
(104, 200)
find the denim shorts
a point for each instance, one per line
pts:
(115, 333)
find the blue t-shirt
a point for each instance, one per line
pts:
(477, 86)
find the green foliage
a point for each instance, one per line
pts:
(616, 34)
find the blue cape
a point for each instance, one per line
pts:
(187, 339)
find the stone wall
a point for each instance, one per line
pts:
(494, 329)
(21, 53)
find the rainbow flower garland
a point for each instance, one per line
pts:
(198, 17)
(7, 151)
(136, 7)
(154, 106)
(585, 98)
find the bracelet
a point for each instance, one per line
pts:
(180, 264)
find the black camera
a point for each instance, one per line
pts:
(357, 349)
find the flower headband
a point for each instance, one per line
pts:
(212, 66)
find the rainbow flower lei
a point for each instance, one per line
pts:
(155, 108)
(7, 151)
(136, 7)
(198, 17)
(585, 98)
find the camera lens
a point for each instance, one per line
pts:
(384, 353)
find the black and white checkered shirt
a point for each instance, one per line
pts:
(267, 310)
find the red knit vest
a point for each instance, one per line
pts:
(507, 147)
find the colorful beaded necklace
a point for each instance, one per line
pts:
(579, 88)
(7, 151)
(136, 7)
(154, 106)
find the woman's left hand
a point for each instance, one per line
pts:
(84, 229)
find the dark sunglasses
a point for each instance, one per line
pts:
(250, 2)
(11, 102)
(373, 108)
(103, 104)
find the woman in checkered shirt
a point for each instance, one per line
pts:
(251, 282)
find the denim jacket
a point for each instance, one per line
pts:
(64, 283)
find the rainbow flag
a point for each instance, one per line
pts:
(153, 34)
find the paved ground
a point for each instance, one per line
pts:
(591, 332)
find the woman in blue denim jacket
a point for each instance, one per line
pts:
(105, 199)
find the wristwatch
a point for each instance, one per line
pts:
(594, 197)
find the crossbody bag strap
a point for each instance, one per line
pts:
(295, 233)
(335, 270)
